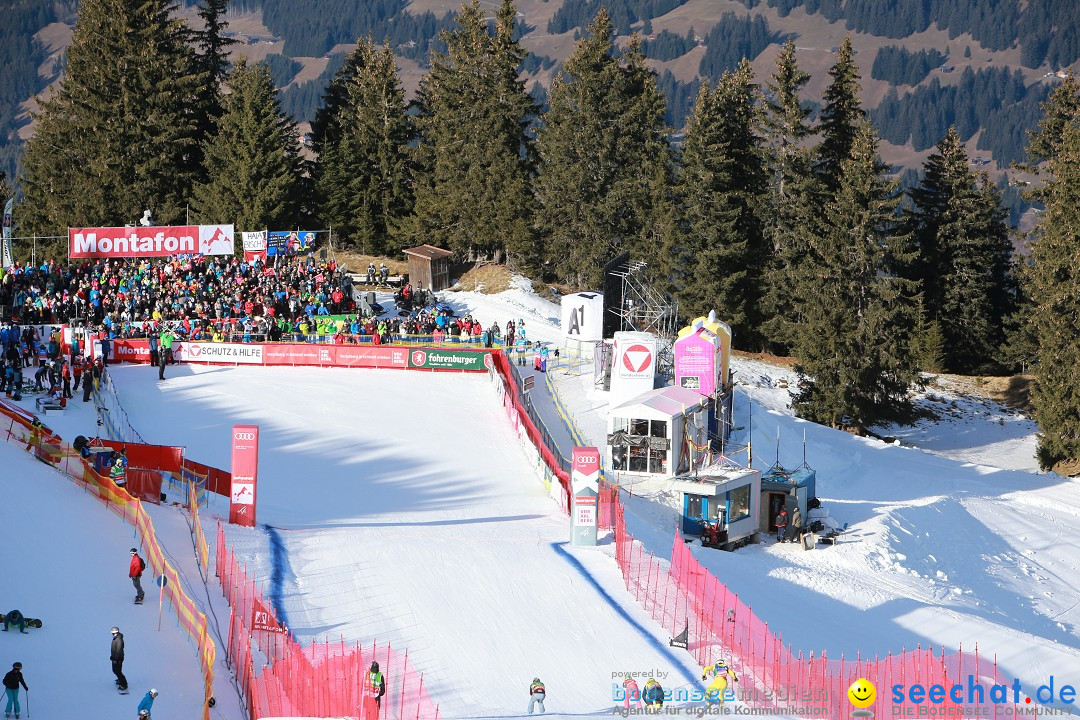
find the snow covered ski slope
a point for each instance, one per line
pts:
(407, 512)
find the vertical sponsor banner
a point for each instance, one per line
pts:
(7, 260)
(585, 484)
(245, 472)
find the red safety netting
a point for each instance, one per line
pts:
(690, 602)
(327, 679)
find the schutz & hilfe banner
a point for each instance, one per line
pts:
(123, 242)
(248, 354)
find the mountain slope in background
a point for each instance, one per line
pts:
(982, 65)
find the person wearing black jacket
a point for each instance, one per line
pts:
(116, 654)
(12, 681)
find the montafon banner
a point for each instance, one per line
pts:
(125, 242)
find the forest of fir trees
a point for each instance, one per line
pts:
(794, 231)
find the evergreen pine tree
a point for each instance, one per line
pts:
(604, 157)
(790, 192)
(119, 136)
(854, 346)
(964, 256)
(363, 178)
(1053, 281)
(253, 161)
(326, 127)
(724, 253)
(472, 190)
(212, 61)
(841, 117)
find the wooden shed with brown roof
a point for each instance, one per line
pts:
(429, 267)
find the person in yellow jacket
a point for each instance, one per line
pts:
(720, 674)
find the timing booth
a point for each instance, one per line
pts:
(654, 433)
(722, 501)
(788, 489)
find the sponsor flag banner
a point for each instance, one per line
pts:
(436, 359)
(7, 260)
(245, 474)
(161, 241)
(261, 619)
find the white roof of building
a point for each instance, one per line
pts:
(658, 404)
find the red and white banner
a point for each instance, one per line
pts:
(261, 619)
(245, 473)
(243, 353)
(162, 241)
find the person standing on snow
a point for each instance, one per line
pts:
(781, 525)
(631, 693)
(116, 655)
(135, 571)
(147, 703)
(796, 524)
(536, 695)
(654, 694)
(376, 683)
(12, 681)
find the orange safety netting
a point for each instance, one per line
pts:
(54, 451)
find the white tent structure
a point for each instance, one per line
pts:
(648, 435)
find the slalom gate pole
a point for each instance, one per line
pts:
(161, 600)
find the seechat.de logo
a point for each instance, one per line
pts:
(244, 436)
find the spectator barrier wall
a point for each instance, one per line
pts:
(321, 680)
(54, 451)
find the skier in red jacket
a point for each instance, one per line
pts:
(135, 571)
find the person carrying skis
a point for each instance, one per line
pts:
(631, 692)
(15, 618)
(720, 674)
(376, 683)
(116, 655)
(536, 695)
(654, 694)
(135, 571)
(147, 703)
(12, 681)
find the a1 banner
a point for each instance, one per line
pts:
(245, 474)
(262, 619)
(437, 359)
(585, 484)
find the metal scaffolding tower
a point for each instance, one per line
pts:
(646, 309)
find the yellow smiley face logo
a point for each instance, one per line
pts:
(862, 693)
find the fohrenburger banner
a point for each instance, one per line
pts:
(117, 242)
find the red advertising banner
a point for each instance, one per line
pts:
(132, 351)
(245, 472)
(168, 458)
(263, 619)
(373, 356)
(119, 242)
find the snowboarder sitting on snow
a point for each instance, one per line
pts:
(536, 695)
(376, 683)
(654, 694)
(147, 703)
(12, 681)
(720, 674)
(15, 618)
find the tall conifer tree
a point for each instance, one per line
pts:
(472, 189)
(604, 161)
(841, 117)
(212, 60)
(120, 135)
(723, 190)
(855, 364)
(253, 161)
(1053, 282)
(790, 194)
(363, 179)
(964, 257)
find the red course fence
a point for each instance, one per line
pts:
(686, 597)
(320, 680)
